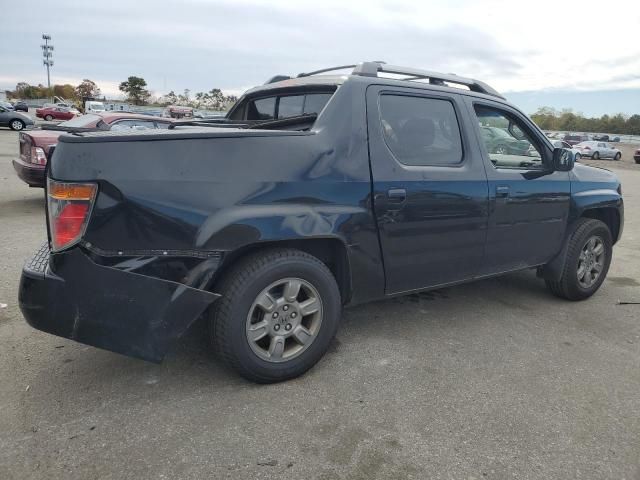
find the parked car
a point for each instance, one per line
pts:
(597, 150)
(501, 141)
(6, 105)
(175, 111)
(575, 139)
(636, 156)
(55, 113)
(14, 120)
(601, 137)
(270, 226)
(568, 146)
(21, 105)
(36, 144)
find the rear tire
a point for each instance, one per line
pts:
(595, 156)
(262, 344)
(585, 269)
(618, 156)
(578, 157)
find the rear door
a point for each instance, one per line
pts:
(528, 201)
(429, 187)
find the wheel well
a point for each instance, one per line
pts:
(609, 216)
(330, 251)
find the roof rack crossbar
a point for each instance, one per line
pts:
(371, 69)
(324, 70)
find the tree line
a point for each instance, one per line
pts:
(548, 118)
(134, 89)
(86, 90)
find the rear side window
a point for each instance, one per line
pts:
(262, 109)
(315, 102)
(290, 106)
(421, 131)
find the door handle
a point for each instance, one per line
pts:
(502, 191)
(397, 195)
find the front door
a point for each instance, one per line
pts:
(528, 201)
(429, 187)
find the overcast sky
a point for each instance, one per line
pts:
(579, 54)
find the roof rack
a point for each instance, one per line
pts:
(371, 69)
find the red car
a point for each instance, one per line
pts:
(35, 144)
(54, 113)
(636, 155)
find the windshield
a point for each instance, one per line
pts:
(83, 121)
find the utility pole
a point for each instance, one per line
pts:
(47, 56)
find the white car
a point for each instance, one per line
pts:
(597, 150)
(568, 146)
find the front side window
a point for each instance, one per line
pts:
(421, 131)
(506, 140)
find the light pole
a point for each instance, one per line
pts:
(47, 56)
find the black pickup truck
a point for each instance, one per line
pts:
(315, 192)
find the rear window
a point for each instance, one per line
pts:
(283, 106)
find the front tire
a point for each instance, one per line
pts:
(618, 156)
(17, 125)
(596, 156)
(578, 157)
(587, 262)
(278, 313)
(48, 118)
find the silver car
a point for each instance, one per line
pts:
(597, 150)
(14, 120)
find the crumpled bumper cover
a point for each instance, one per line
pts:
(120, 311)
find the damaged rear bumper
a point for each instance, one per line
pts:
(124, 312)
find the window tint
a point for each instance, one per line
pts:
(262, 109)
(315, 102)
(506, 140)
(421, 131)
(290, 106)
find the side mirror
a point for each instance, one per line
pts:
(563, 159)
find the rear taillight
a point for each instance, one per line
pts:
(37, 156)
(69, 207)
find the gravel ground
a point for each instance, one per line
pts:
(496, 379)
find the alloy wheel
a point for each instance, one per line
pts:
(284, 320)
(591, 261)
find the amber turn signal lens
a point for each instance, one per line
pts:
(72, 191)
